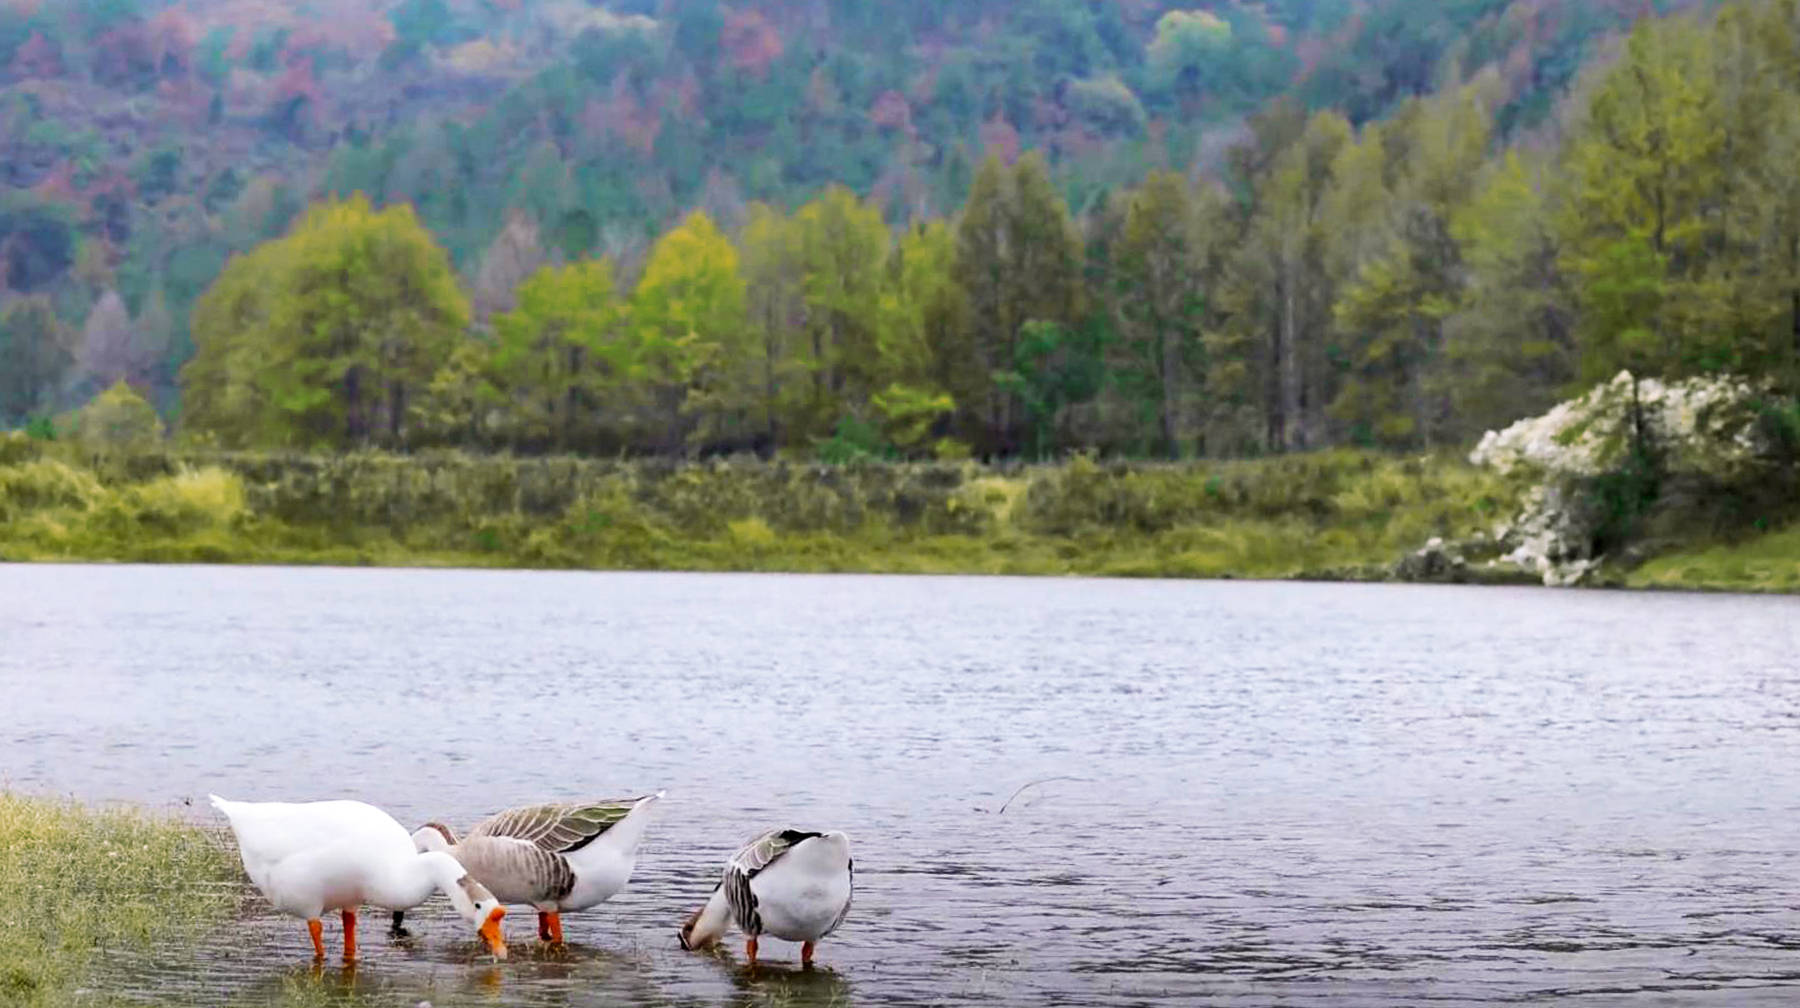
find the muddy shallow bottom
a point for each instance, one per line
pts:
(1249, 793)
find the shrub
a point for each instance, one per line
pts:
(190, 500)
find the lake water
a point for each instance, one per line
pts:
(1250, 793)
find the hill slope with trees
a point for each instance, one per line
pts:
(144, 142)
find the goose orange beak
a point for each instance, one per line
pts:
(490, 932)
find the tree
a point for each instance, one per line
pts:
(1161, 268)
(1508, 346)
(1637, 221)
(922, 338)
(1399, 286)
(1053, 368)
(107, 353)
(118, 419)
(563, 359)
(326, 336)
(34, 358)
(843, 247)
(982, 270)
(515, 254)
(1188, 51)
(1018, 259)
(1276, 291)
(1759, 47)
(771, 252)
(693, 339)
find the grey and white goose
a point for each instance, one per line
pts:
(558, 858)
(789, 884)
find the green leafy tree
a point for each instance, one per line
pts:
(1161, 267)
(1643, 171)
(844, 248)
(694, 343)
(922, 338)
(1189, 51)
(327, 336)
(1404, 282)
(118, 419)
(772, 254)
(1053, 369)
(564, 358)
(1509, 347)
(1018, 259)
(1277, 292)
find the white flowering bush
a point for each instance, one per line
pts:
(1579, 455)
(1702, 425)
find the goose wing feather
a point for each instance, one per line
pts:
(518, 871)
(762, 852)
(561, 828)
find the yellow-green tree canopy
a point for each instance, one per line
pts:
(564, 354)
(118, 419)
(325, 337)
(693, 338)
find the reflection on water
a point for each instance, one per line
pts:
(1244, 793)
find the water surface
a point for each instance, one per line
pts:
(1251, 793)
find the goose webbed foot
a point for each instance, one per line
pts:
(398, 930)
(806, 955)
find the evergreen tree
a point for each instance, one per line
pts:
(34, 359)
(1637, 221)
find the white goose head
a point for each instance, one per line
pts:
(472, 900)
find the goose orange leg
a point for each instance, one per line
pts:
(349, 935)
(317, 930)
(806, 951)
(550, 927)
(750, 950)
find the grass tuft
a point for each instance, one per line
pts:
(77, 882)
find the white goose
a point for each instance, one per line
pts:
(560, 858)
(311, 857)
(787, 883)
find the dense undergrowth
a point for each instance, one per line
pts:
(1336, 514)
(78, 884)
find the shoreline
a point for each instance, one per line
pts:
(1339, 516)
(1520, 579)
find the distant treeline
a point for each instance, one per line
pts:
(1402, 285)
(144, 142)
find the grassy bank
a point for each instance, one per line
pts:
(77, 884)
(1764, 563)
(1337, 514)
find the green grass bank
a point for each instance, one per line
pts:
(1328, 515)
(1339, 515)
(78, 884)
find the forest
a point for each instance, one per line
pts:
(1126, 228)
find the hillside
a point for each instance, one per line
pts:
(143, 142)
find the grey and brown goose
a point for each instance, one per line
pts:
(558, 858)
(789, 884)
